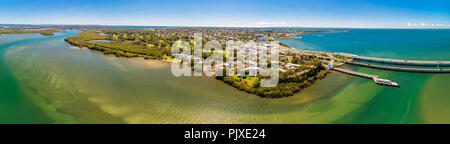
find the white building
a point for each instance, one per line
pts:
(291, 65)
(252, 69)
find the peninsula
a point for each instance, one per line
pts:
(43, 31)
(297, 70)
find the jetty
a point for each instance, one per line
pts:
(354, 73)
(440, 66)
(373, 77)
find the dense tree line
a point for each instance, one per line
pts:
(289, 82)
(121, 48)
(19, 31)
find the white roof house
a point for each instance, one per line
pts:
(291, 65)
(252, 69)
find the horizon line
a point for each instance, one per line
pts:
(215, 26)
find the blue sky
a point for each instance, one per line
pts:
(263, 13)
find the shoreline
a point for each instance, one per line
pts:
(240, 83)
(284, 105)
(282, 89)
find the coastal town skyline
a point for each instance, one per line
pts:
(267, 13)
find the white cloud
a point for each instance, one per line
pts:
(426, 25)
(263, 23)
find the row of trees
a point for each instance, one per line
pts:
(17, 31)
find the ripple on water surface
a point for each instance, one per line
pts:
(82, 86)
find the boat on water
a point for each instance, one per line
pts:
(385, 82)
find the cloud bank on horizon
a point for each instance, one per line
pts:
(234, 13)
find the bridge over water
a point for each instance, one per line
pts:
(439, 65)
(399, 62)
(396, 68)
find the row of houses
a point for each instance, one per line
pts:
(251, 65)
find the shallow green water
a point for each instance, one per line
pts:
(14, 107)
(422, 98)
(81, 86)
(46, 80)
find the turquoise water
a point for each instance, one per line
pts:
(53, 80)
(422, 98)
(420, 44)
(14, 105)
(46, 80)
